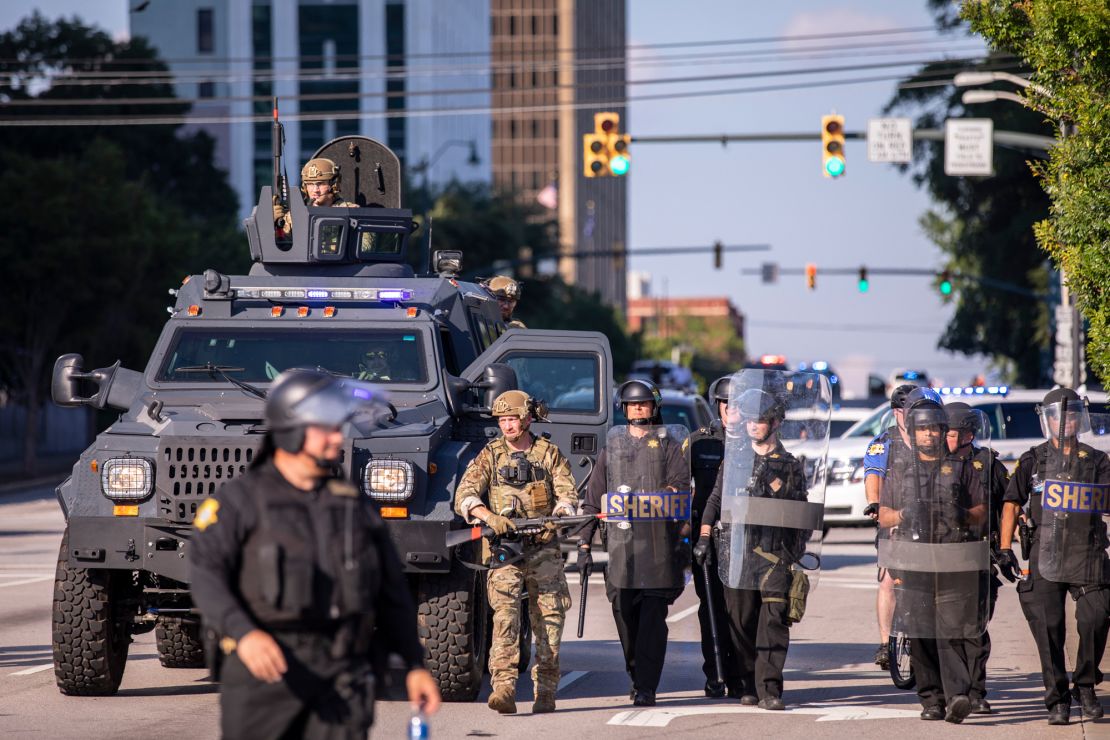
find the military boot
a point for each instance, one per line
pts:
(545, 702)
(503, 699)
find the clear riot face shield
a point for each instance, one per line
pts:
(647, 506)
(1074, 488)
(934, 527)
(773, 484)
(354, 406)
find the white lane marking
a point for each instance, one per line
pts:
(570, 678)
(27, 580)
(33, 669)
(576, 578)
(24, 573)
(660, 717)
(682, 614)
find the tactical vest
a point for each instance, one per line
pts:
(938, 483)
(783, 542)
(707, 451)
(1078, 469)
(311, 561)
(534, 496)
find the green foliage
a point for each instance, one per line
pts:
(1066, 44)
(983, 225)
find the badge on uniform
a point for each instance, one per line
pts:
(1082, 453)
(977, 465)
(206, 514)
(946, 469)
(653, 443)
(876, 449)
(685, 444)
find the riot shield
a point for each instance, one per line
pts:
(934, 527)
(1071, 538)
(773, 484)
(647, 506)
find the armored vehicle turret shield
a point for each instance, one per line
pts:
(773, 478)
(934, 525)
(1074, 494)
(647, 506)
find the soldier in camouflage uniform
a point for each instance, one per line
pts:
(507, 292)
(319, 187)
(521, 475)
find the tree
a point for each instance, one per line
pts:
(95, 220)
(983, 225)
(1065, 45)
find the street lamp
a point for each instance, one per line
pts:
(426, 164)
(972, 97)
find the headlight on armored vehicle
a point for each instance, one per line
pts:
(127, 478)
(388, 480)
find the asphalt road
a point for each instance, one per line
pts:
(832, 689)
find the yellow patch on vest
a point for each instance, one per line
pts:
(876, 449)
(206, 514)
(776, 484)
(1082, 453)
(685, 444)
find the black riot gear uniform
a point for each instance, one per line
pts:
(707, 450)
(647, 560)
(315, 569)
(759, 631)
(1042, 600)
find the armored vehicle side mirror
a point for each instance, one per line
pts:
(447, 262)
(496, 379)
(115, 386)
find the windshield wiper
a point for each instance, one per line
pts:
(222, 371)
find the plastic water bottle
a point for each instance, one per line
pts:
(418, 726)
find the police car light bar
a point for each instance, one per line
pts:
(326, 294)
(976, 390)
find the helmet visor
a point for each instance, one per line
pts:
(1056, 420)
(342, 402)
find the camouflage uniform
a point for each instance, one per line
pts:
(320, 169)
(541, 570)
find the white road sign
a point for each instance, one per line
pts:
(969, 146)
(890, 140)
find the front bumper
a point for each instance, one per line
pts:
(126, 543)
(421, 544)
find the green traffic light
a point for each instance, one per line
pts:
(834, 166)
(619, 165)
(864, 286)
(946, 287)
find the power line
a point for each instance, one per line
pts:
(122, 120)
(484, 52)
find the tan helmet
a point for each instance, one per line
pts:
(320, 169)
(513, 403)
(503, 286)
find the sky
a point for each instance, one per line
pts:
(762, 193)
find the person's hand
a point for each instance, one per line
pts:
(423, 691)
(1008, 564)
(262, 656)
(499, 524)
(585, 562)
(872, 510)
(280, 212)
(701, 549)
(913, 515)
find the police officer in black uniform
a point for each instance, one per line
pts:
(651, 462)
(934, 498)
(1042, 598)
(296, 572)
(758, 626)
(707, 450)
(963, 426)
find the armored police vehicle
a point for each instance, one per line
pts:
(340, 296)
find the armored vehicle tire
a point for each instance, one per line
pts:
(179, 643)
(451, 617)
(90, 635)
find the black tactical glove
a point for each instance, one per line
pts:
(871, 510)
(914, 515)
(701, 549)
(585, 562)
(1007, 564)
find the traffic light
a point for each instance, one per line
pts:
(864, 284)
(718, 257)
(595, 155)
(607, 123)
(945, 282)
(811, 276)
(832, 145)
(619, 160)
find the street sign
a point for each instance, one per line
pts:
(769, 272)
(890, 140)
(969, 146)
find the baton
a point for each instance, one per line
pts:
(582, 601)
(712, 623)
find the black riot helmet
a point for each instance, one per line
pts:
(718, 393)
(898, 396)
(634, 391)
(961, 418)
(300, 398)
(925, 408)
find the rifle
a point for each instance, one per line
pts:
(277, 144)
(524, 527)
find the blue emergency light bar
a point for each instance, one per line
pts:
(380, 295)
(975, 390)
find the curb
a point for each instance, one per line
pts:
(29, 483)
